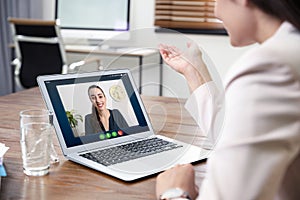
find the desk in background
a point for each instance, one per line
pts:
(133, 52)
(138, 53)
(68, 180)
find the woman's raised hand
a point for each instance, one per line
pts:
(188, 63)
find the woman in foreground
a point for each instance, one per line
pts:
(257, 155)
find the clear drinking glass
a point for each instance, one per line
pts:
(36, 141)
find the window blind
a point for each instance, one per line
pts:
(187, 15)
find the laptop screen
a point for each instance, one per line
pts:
(96, 108)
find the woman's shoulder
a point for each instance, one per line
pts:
(278, 52)
(88, 116)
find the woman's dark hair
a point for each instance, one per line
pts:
(95, 86)
(286, 10)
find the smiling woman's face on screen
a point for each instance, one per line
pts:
(98, 98)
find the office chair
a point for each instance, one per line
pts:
(39, 51)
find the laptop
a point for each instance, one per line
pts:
(128, 148)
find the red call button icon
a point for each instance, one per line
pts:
(120, 133)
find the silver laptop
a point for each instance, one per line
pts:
(127, 148)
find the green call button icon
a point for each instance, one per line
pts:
(114, 134)
(102, 136)
(108, 135)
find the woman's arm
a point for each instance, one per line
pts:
(88, 128)
(119, 119)
(189, 63)
(204, 101)
(180, 176)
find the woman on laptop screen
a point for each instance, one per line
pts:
(102, 119)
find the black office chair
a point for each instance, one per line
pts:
(39, 51)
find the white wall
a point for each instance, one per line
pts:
(217, 47)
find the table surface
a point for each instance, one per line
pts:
(68, 180)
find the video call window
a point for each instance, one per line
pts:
(87, 106)
(78, 104)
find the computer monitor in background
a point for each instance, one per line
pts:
(93, 20)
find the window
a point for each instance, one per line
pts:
(189, 16)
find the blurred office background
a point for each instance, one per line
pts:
(13, 8)
(141, 16)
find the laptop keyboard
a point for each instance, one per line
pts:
(130, 151)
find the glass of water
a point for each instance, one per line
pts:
(36, 141)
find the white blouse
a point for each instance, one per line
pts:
(257, 155)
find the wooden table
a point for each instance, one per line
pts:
(68, 180)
